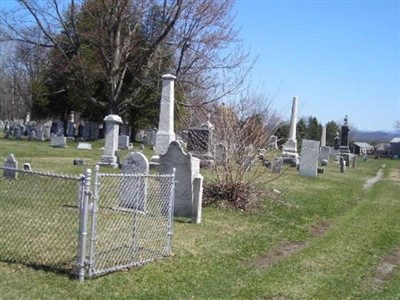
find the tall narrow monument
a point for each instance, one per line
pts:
(109, 157)
(165, 133)
(289, 149)
(344, 142)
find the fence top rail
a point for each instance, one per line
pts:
(136, 175)
(45, 173)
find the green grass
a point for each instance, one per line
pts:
(224, 257)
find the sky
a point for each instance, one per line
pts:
(338, 57)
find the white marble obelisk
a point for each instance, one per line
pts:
(323, 136)
(165, 133)
(289, 149)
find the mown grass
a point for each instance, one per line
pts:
(224, 257)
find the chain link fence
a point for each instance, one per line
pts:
(39, 218)
(85, 225)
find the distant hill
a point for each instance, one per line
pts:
(373, 137)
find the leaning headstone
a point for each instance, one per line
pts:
(109, 157)
(309, 158)
(133, 193)
(12, 164)
(187, 197)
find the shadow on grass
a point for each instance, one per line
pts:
(71, 274)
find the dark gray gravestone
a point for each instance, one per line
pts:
(133, 193)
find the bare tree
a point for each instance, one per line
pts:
(133, 42)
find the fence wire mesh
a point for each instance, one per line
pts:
(131, 221)
(39, 219)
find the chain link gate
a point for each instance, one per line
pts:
(66, 224)
(131, 220)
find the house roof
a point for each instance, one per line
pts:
(395, 140)
(363, 145)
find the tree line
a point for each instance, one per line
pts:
(99, 57)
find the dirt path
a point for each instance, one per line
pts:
(371, 181)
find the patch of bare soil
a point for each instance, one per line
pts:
(275, 255)
(371, 181)
(395, 176)
(320, 227)
(385, 270)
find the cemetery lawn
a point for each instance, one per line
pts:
(328, 237)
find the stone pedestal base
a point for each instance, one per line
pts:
(109, 161)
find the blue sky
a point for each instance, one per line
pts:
(338, 57)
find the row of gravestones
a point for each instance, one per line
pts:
(133, 190)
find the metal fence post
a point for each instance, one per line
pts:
(83, 225)
(94, 219)
(171, 213)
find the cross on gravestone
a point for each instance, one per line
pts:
(11, 163)
(133, 193)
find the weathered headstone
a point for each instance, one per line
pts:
(353, 161)
(57, 127)
(309, 158)
(109, 157)
(342, 164)
(27, 167)
(12, 164)
(58, 141)
(220, 154)
(2, 125)
(133, 193)
(324, 153)
(277, 165)
(186, 202)
(123, 142)
(273, 142)
(94, 131)
(86, 131)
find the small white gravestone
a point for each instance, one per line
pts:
(11, 163)
(85, 146)
(58, 141)
(188, 190)
(309, 158)
(133, 193)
